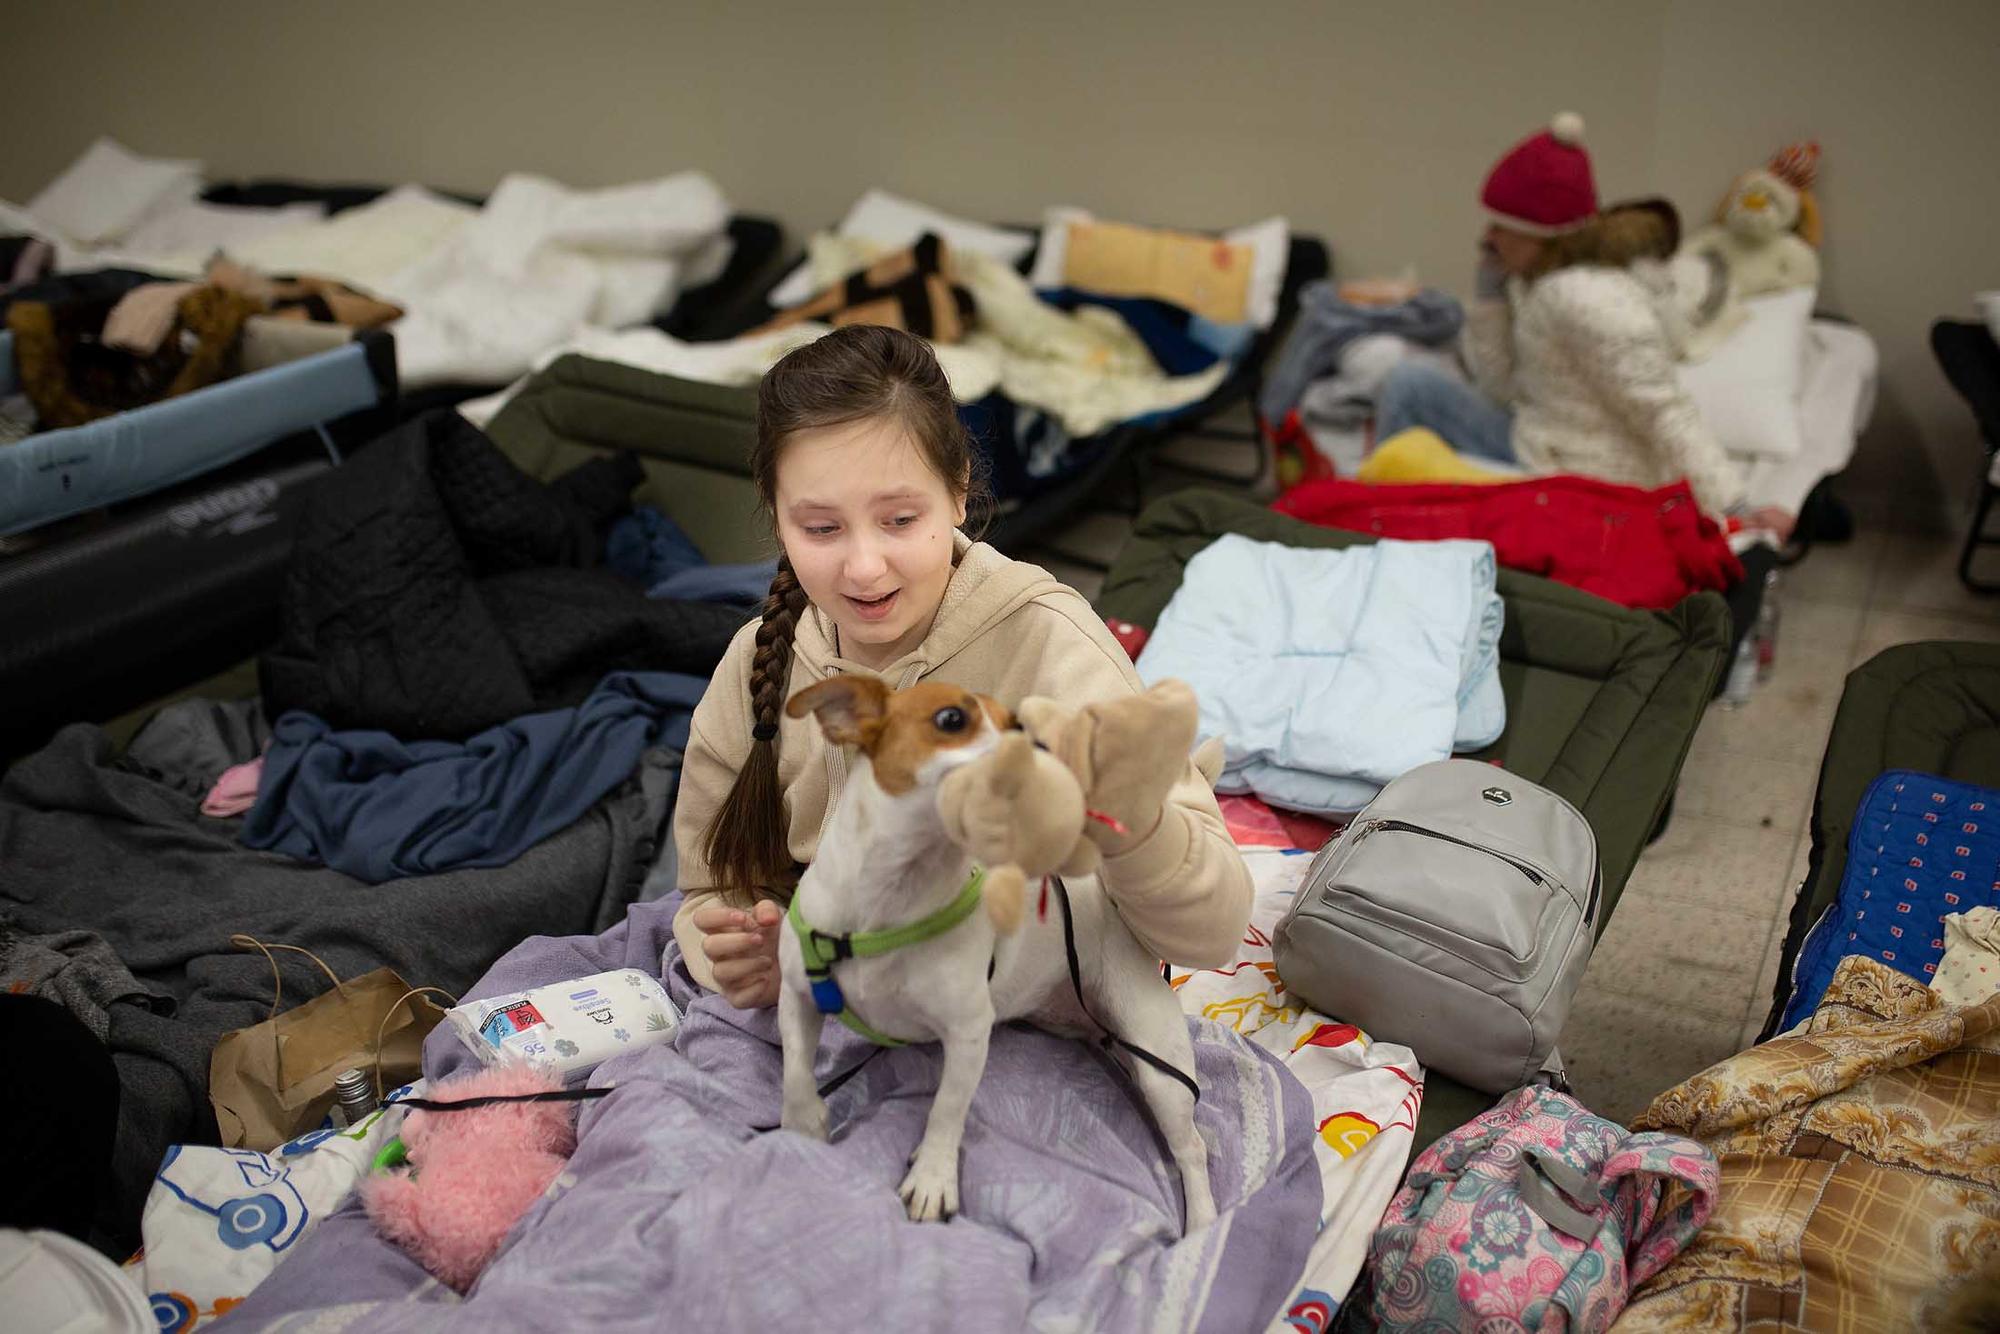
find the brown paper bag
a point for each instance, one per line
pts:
(272, 1082)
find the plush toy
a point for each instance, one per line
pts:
(1767, 227)
(1054, 799)
(473, 1173)
(1021, 814)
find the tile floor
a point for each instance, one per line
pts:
(1683, 975)
(1684, 972)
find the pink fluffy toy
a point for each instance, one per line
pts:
(473, 1173)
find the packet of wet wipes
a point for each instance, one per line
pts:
(568, 1027)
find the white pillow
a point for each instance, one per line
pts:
(895, 222)
(103, 194)
(1747, 390)
(1270, 243)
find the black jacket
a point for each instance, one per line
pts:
(437, 590)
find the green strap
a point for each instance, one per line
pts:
(867, 1030)
(822, 951)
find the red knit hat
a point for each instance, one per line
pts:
(1543, 185)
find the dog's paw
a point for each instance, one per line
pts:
(930, 1191)
(808, 1119)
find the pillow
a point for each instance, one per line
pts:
(1199, 274)
(1747, 390)
(893, 221)
(1269, 243)
(908, 289)
(105, 193)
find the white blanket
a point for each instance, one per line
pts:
(540, 264)
(1366, 1094)
(485, 291)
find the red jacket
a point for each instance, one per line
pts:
(1636, 547)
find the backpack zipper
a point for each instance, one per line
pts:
(1525, 868)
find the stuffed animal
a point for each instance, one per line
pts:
(473, 1172)
(1767, 227)
(1021, 813)
(1048, 800)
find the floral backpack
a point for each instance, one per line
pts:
(1537, 1216)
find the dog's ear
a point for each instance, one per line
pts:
(850, 709)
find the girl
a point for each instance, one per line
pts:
(867, 473)
(1573, 361)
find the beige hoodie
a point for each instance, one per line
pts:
(1006, 629)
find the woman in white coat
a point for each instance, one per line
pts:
(1573, 362)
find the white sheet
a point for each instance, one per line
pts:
(1366, 1094)
(365, 247)
(540, 264)
(1836, 400)
(189, 232)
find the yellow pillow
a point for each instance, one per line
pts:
(1421, 455)
(1197, 273)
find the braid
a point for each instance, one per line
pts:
(747, 845)
(770, 666)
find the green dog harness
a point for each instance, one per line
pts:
(823, 950)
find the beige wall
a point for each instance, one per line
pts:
(1368, 123)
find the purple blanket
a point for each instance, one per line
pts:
(679, 1213)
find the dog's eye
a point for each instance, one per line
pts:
(950, 720)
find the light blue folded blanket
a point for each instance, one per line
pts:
(1328, 673)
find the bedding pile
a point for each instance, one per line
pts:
(118, 846)
(677, 1198)
(1363, 1100)
(484, 288)
(1859, 1187)
(1042, 365)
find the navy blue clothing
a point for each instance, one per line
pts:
(381, 809)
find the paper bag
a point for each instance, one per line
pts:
(272, 1082)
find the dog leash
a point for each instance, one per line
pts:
(496, 1099)
(1110, 1038)
(823, 949)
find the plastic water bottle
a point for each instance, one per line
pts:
(1766, 633)
(1742, 681)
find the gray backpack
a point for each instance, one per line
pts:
(1454, 916)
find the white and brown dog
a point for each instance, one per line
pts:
(884, 865)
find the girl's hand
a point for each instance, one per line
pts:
(742, 949)
(1489, 280)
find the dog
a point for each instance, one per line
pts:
(885, 862)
